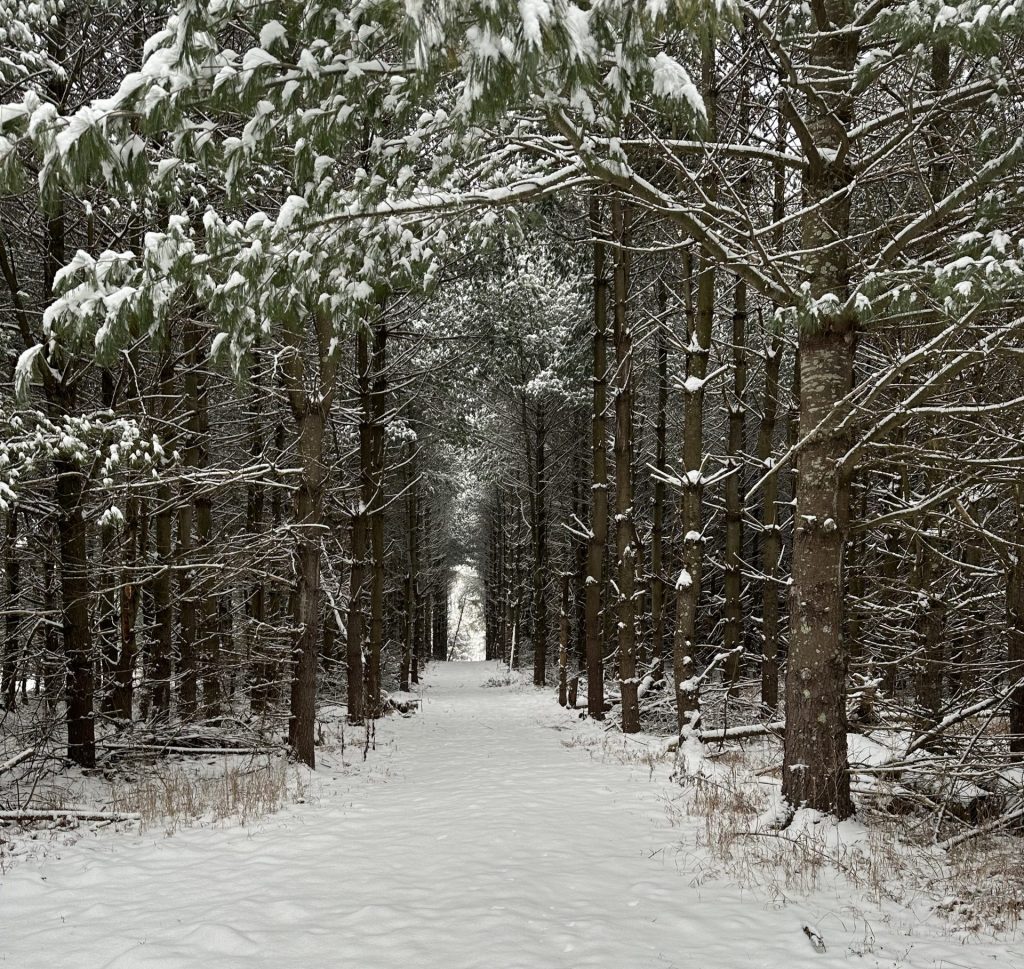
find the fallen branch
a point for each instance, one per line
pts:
(71, 813)
(160, 748)
(747, 730)
(996, 824)
(16, 759)
(734, 733)
(957, 717)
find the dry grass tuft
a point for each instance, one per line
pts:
(176, 798)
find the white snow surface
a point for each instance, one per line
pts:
(473, 836)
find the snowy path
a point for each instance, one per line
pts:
(478, 840)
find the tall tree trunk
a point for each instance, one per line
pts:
(733, 635)
(207, 659)
(540, 549)
(412, 501)
(359, 535)
(815, 763)
(771, 533)
(70, 488)
(75, 596)
(578, 659)
(123, 687)
(12, 573)
(1015, 628)
(419, 648)
(599, 476)
(929, 628)
(625, 530)
(308, 514)
(563, 643)
(310, 408)
(375, 512)
(107, 623)
(187, 674)
(698, 349)
(163, 610)
(771, 540)
(688, 583)
(658, 511)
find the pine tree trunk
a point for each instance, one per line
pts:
(540, 545)
(1015, 629)
(123, 686)
(75, 596)
(308, 513)
(689, 581)
(412, 574)
(160, 670)
(599, 478)
(815, 763)
(310, 408)
(375, 513)
(815, 757)
(106, 625)
(358, 540)
(658, 511)
(12, 574)
(929, 630)
(771, 544)
(207, 660)
(625, 531)
(563, 644)
(187, 674)
(771, 532)
(733, 634)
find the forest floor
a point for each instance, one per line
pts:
(492, 829)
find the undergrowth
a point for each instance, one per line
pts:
(725, 818)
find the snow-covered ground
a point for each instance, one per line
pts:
(479, 834)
